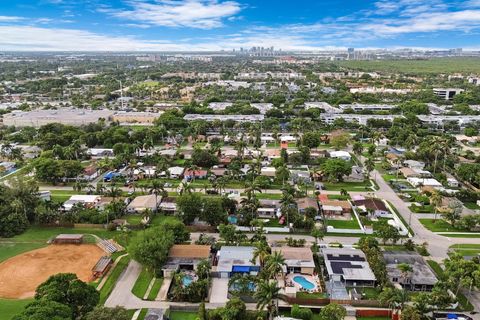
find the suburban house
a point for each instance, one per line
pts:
(336, 207)
(90, 173)
(142, 203)
(344, 155)
(297, 260)
(185, 257)
(348, 266)
(168, 205)
(175, 172)
(268, 171)
(268, 208)
(393, 159)
(195, 174)
(427, 182)
(421, 278)
(300, 175)
(99, 153)
(304, 203)
(232, 260)
(83, 199)
(413, 164)
(373, 205)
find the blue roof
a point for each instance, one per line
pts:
(241, 269)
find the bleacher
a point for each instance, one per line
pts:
(107, 246)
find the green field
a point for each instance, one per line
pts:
(155, 289)
(11, 249)
(344, 224)
(9, 308)
(435, 65)
(141, 285)
(439, 225)
(349, 186)
(466, 249)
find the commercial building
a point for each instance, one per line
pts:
(68, 116)
(330, 118)
(226, 117)
(322, 105)
(145, 118)
(447, 93)
(366, 107)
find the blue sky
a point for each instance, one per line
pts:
(186, 25)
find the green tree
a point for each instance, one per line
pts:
(335, 169)
(67, 289)
(333, 311)
(190, 206)
(151, 249)
(386, 232)
(45, 309)
(103, 313)
(213, 211)
(267, 295)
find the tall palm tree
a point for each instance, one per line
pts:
(436, 200)
(267, 295)
(261, 252)
(113, 192)
(186, 187)
(405, 270)
(157, 189)
(274, 265)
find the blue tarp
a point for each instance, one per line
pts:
(452, 316)
(243, 269)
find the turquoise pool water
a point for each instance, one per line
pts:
(187, 280)
(304, 282)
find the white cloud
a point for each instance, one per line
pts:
(10, 19)
(202, 14)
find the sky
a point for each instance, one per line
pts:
(212, 25)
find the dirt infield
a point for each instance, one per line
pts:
(20, 275)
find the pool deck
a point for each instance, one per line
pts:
(312, 279)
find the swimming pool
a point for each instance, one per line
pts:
(304, 282)
(187, 280)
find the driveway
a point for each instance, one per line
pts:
(219, 291)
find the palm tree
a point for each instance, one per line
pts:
(113, 192)
(193, 169)
(185, 187)
(157, 189)
(405, 269)
(240, 146)
(261, 252)
(317, 234)
(369, 165)
(267, 295)
(274, 265)
(394, 298)
(436, 200)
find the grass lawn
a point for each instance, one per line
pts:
(316, 295)
(439, 225)
(466, 249)
(9, 308)
(427, 208)
(8, 250)
(472, 205)
(459, 235)
(183, 315)
(112, 279)
(337, 197)
(268, 196)
(436, 268)
(368, 293)
(143, 314)
(141, 285)
(155, 289)
(349, 186)
(37, 234)
(159, 219)
(389, 177)
(133, 218)
(344, 224)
